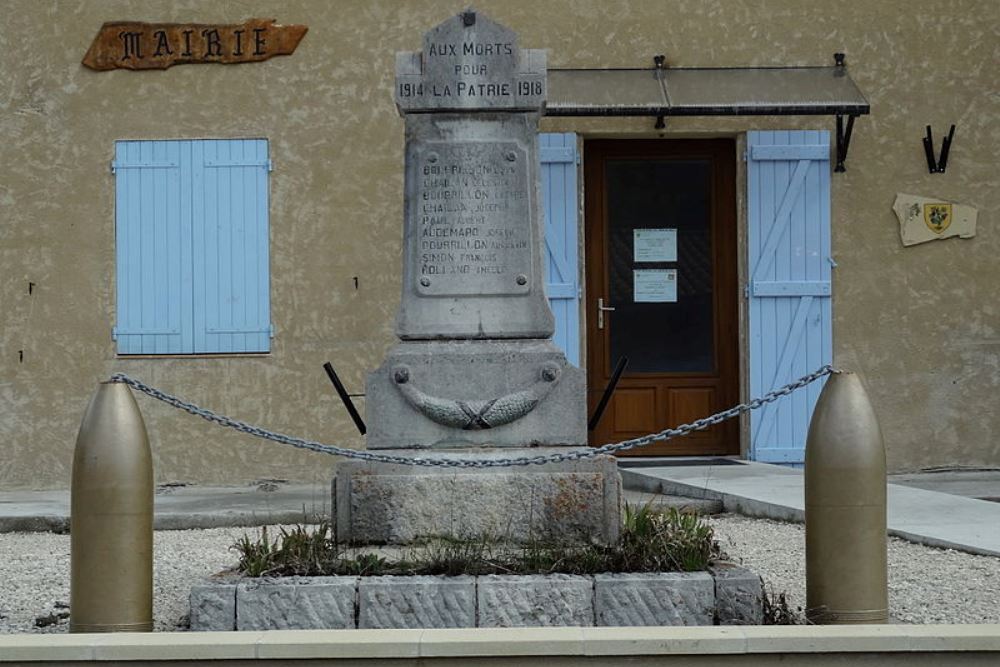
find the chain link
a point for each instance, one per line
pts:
(576, 454)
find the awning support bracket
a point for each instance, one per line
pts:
(659, 62)
(843, 140)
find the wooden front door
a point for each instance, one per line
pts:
(662, 289)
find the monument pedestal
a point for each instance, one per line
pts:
(572, 501)
(447, 394)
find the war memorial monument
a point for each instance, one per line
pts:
(475, 375)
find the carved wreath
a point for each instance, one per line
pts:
(474, 415)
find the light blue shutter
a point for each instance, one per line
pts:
(191, 225)
(559, 199)
(152, 248)
(789, 291)
(230, 259)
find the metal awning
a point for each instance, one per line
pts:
(743, 91)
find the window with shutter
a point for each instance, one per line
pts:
(191, 227)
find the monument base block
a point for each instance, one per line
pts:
(571, 501)
(499, 393)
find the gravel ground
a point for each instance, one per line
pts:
(926, 585)
(34, 575)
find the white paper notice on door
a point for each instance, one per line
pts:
(655, 285)
(654, 245)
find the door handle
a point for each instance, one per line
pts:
(601, 309)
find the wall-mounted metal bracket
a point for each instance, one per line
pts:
(843, 140)
(843, 137)
(659, 62)
(937, 166)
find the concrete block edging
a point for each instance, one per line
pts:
(725, 595)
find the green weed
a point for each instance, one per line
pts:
(650, 541)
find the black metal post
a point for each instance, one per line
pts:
(345, 398)
(608, 391)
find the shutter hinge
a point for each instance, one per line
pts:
(270, 166)
(114, 332)
(114, 166)
(746, 291)
(270, 331)
(746, 154)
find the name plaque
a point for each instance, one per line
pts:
(470, 211)
(138, 46)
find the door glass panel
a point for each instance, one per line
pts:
(661, 280)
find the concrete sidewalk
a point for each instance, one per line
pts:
(182, 507)
(916, 514)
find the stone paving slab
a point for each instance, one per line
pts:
(417, 602)
(296, 603)
(213, 607)
(654, 598)
(535, 601)
(739, 595)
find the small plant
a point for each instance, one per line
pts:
(652, 541)
(297, 551)
(307, 553)
(256, 556)
(363, 565)
(690, 539)
(454, 556)
(777, 611)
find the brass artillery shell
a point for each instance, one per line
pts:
(845, 493)
(111, 522)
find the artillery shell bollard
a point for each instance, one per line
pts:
(111, 517)
(845, 484)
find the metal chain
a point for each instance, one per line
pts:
(577, 454)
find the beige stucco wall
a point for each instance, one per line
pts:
(921, 323)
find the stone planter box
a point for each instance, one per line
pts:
(725, 595)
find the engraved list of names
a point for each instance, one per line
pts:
(471, 205)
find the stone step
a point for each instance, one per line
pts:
(662, 502)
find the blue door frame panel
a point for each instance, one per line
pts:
(789, 290)
(560, 204)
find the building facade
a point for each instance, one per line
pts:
(221, 231)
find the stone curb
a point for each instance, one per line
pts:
(726, 595)
(885, 645)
